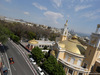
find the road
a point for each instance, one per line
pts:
(20, 67)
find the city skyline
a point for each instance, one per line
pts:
(82, 15)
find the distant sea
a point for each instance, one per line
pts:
(83, 34)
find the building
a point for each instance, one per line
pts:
(39, 43)
(76, 58)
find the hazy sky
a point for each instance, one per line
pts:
(83, 15)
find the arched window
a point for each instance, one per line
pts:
(85, 65)
(99, 56)
(72, 60)
(79, 62)
(98, 69)
(66, 57)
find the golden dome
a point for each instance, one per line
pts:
(62, 45)
(74, 37)
(33, 41)
(72, 46)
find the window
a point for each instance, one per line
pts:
(79, 62)
(70, 71)
(98, 69)
(80, 74)
(72, 60)
(85, 65)
(48, 46)
(66, 57)
(89, 52)
(42, 45)
(99, 56)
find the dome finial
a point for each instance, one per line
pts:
(66, 23)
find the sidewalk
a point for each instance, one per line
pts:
(24, 44)
(4, 60)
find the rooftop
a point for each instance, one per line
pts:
(73, 46)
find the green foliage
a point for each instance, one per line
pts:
(37, 54)
(31, 35)
(52, 67)
(47, 55)
(29, 55)
(4, 34)
(53, 36)
(29, 32)
(14, 38)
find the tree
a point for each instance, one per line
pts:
(15, 38)
(53, 36)
(37, 54)
(52, 67)
(4, 34)
(31, 35)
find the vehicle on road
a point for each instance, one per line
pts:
(32, 61)
(11, 60)
(40, 71)
(5, 71)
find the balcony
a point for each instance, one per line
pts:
(75, 67)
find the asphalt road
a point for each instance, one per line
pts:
(20, 67)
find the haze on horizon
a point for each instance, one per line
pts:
(82, 15)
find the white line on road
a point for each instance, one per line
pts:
(14, 67)
(25, 58)
(18, 53)
(7, 61)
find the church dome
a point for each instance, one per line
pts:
(72, 46)
(74, 37)
(33, 41)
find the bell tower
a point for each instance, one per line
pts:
(93, 50)
(65, 32)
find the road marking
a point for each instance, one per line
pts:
(14, 67)
(25, 58)
(7, 61)
(18, 53)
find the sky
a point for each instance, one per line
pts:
(82, 15)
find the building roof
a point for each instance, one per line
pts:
(73, 46)
(33, 41)
(40, 42)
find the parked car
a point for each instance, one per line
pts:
(11, 60)
(40, 70)
(33, 61)
(42, 73)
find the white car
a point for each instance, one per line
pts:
(33, 62)
(40, 70)
(42, 73)
(31, 59)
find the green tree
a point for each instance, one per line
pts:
(52, 67)
(15, 38)
(4, 34)
(37, 54)
(31, 35)
(53, 36)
